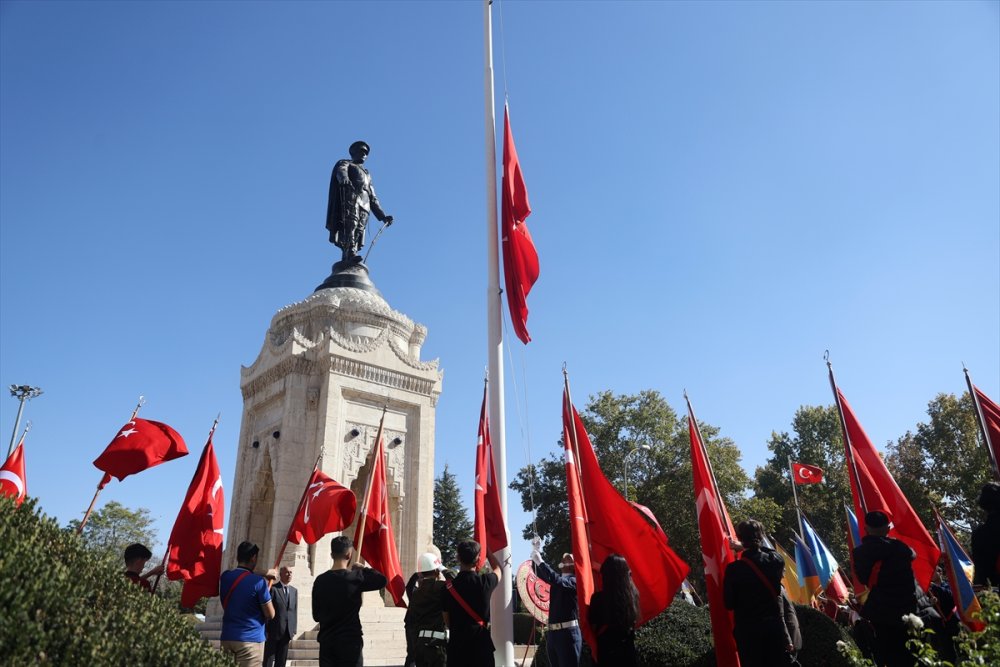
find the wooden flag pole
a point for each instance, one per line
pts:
(104, 479)
(723, 514)
(305, 492)
(575, 447)
(163, 564)
(795, 494)
(359, 532)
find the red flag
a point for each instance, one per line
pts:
(490, 530)
(13, 482)
(579, 535)
(326, 507)
(378, 547)
(990, 416)
(520, 260)
(617, 527)
(716, 528)
(195, 545)
(873, 474)
(807, 474)
(140, 444)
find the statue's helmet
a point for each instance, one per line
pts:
(358, 145)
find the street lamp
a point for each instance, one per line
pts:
(640, 447)
(22, 393)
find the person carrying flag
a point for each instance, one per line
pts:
(246, 604)
(426, 635)
(466, 604)
(136, 557)
(986, 539)
(563, 641)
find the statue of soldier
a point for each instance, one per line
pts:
(352, 197)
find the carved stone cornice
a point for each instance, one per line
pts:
(297, 364)
(382, 376)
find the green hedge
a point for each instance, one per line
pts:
(63, 605)
(820, 635)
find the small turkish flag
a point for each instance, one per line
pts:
(140, 444)
(12, 480)
(326, 507)
(807, 474)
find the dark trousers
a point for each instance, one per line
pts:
(341, 653)
(890, 646)
(275, 652)
(762, 645)
(563, 647)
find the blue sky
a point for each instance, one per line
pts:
(721, 192)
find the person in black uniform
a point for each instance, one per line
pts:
(751, 588)
(466, 604)
(885, 566)
(426, 635)
(563, 641)
(986, 539)
(614, 611)
(336, 601)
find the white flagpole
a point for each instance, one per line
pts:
(501, 605)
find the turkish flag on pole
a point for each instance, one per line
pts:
(807, 474)
(490, 530)
(579, 535)
(326, 507)
(378, 546)
(195, 545)
(520, 260)
(716, 528)
(989, 413)
(13, 482)
(906, 525)
(140, 444)
(616, 527)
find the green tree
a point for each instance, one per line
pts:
(451, 521)
(942, 464)
(113, 527)
(816, 439)
(659, 478)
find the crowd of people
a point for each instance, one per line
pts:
(448, 617)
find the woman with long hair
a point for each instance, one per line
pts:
(614, 611)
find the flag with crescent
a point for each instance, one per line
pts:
(489, 528)
(194, 551)
(326, 507)
(520, 259)
(140, 444)
(807, 474)
(13, 482)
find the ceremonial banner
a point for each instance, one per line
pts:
(826, 564)
(326, 507)
(806, 567)
(867, 463)
(13, 480)
(715, 528)
(790, 579)
(958, 566)
(140, 444)
(806, 474)
(195, 545)
(378, 544)
(853, 542)
(989, 420)
(535, 593)
(520, 259)
(489, 528)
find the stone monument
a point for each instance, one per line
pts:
(328, 366)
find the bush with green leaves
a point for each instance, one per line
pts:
(820, 637)
(67, 605)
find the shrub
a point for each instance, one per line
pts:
(681, 636)
(820, 635)
(65, 605)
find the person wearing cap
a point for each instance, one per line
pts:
(352, 197)
(885, 566)
(136, 557)
(246, 605)
(426, 635)
(563, 641)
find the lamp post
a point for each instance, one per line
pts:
(640, 447)
(22, 393)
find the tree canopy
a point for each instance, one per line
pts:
(451, 521)
(113, 527)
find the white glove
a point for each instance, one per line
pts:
(536, 556)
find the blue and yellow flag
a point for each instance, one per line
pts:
(806, 566)
(853, 542)
(958, 567)
(826, 564)
(790, 579)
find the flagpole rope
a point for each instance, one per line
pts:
(525, 433)
(503, 51)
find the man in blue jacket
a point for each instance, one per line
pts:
(563, 640)
(246, 604)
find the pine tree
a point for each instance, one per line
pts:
(451, 520)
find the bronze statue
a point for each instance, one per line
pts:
(352, 197)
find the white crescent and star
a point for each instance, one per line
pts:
(6, 475)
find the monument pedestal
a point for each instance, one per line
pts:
(316, 392)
